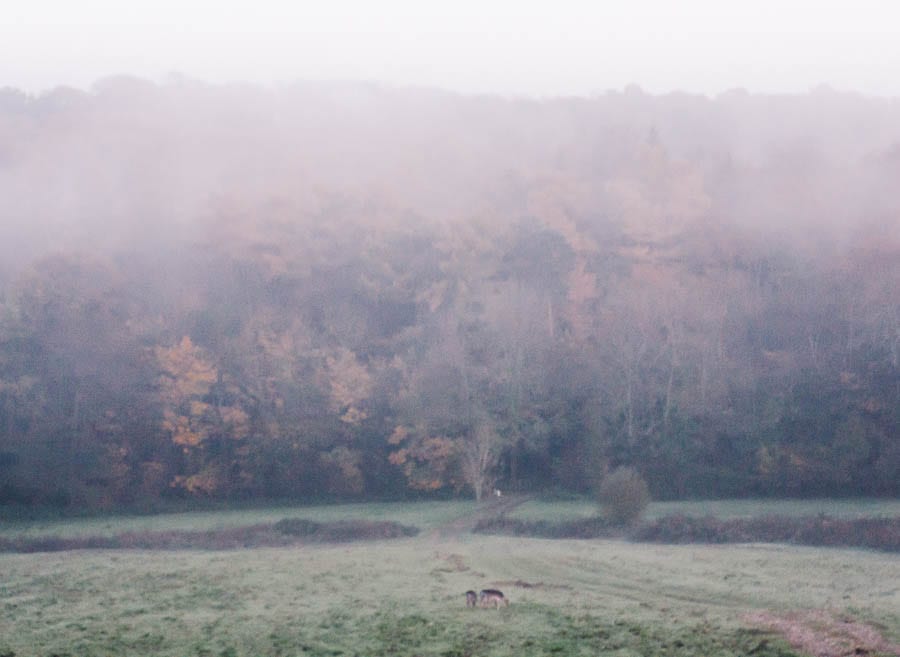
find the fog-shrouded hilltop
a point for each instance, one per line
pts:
(351, 290)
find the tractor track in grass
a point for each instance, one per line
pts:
(495, 506)
(825, 633)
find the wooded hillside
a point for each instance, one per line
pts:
(348, 290)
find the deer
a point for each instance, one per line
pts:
(494, 597)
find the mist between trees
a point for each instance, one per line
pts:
(348, 291)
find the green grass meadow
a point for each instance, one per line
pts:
(405, 597)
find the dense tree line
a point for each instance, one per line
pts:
(338, 290)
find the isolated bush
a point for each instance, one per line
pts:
(623, 495)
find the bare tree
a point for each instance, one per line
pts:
(480, 456)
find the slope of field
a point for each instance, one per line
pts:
(405, 597)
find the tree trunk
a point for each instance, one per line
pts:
(669, 385)
(551, 324)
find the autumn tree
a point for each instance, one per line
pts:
(203, 416)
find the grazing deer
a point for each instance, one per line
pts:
(489, 597)
(471, 599)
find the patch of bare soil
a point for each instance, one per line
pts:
(825, 634)
(455, 564)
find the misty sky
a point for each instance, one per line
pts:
(497, 46)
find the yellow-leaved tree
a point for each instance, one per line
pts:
(185, 379)
(428, 462)
(350, 385)
(197, 413)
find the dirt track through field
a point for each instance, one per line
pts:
(486, 509)
(816, 632)
(823, 634)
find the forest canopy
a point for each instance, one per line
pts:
(347, 290)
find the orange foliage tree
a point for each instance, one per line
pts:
(194, 415)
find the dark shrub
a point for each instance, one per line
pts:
(358, 530)
(343, 530)
(297, 526)
(623, 496)
(876, 533)
(289, 531)
(674, 529)
(583, 528)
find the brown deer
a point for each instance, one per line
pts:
(489, 597)
(471, 599)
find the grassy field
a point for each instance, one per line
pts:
(405, 597)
